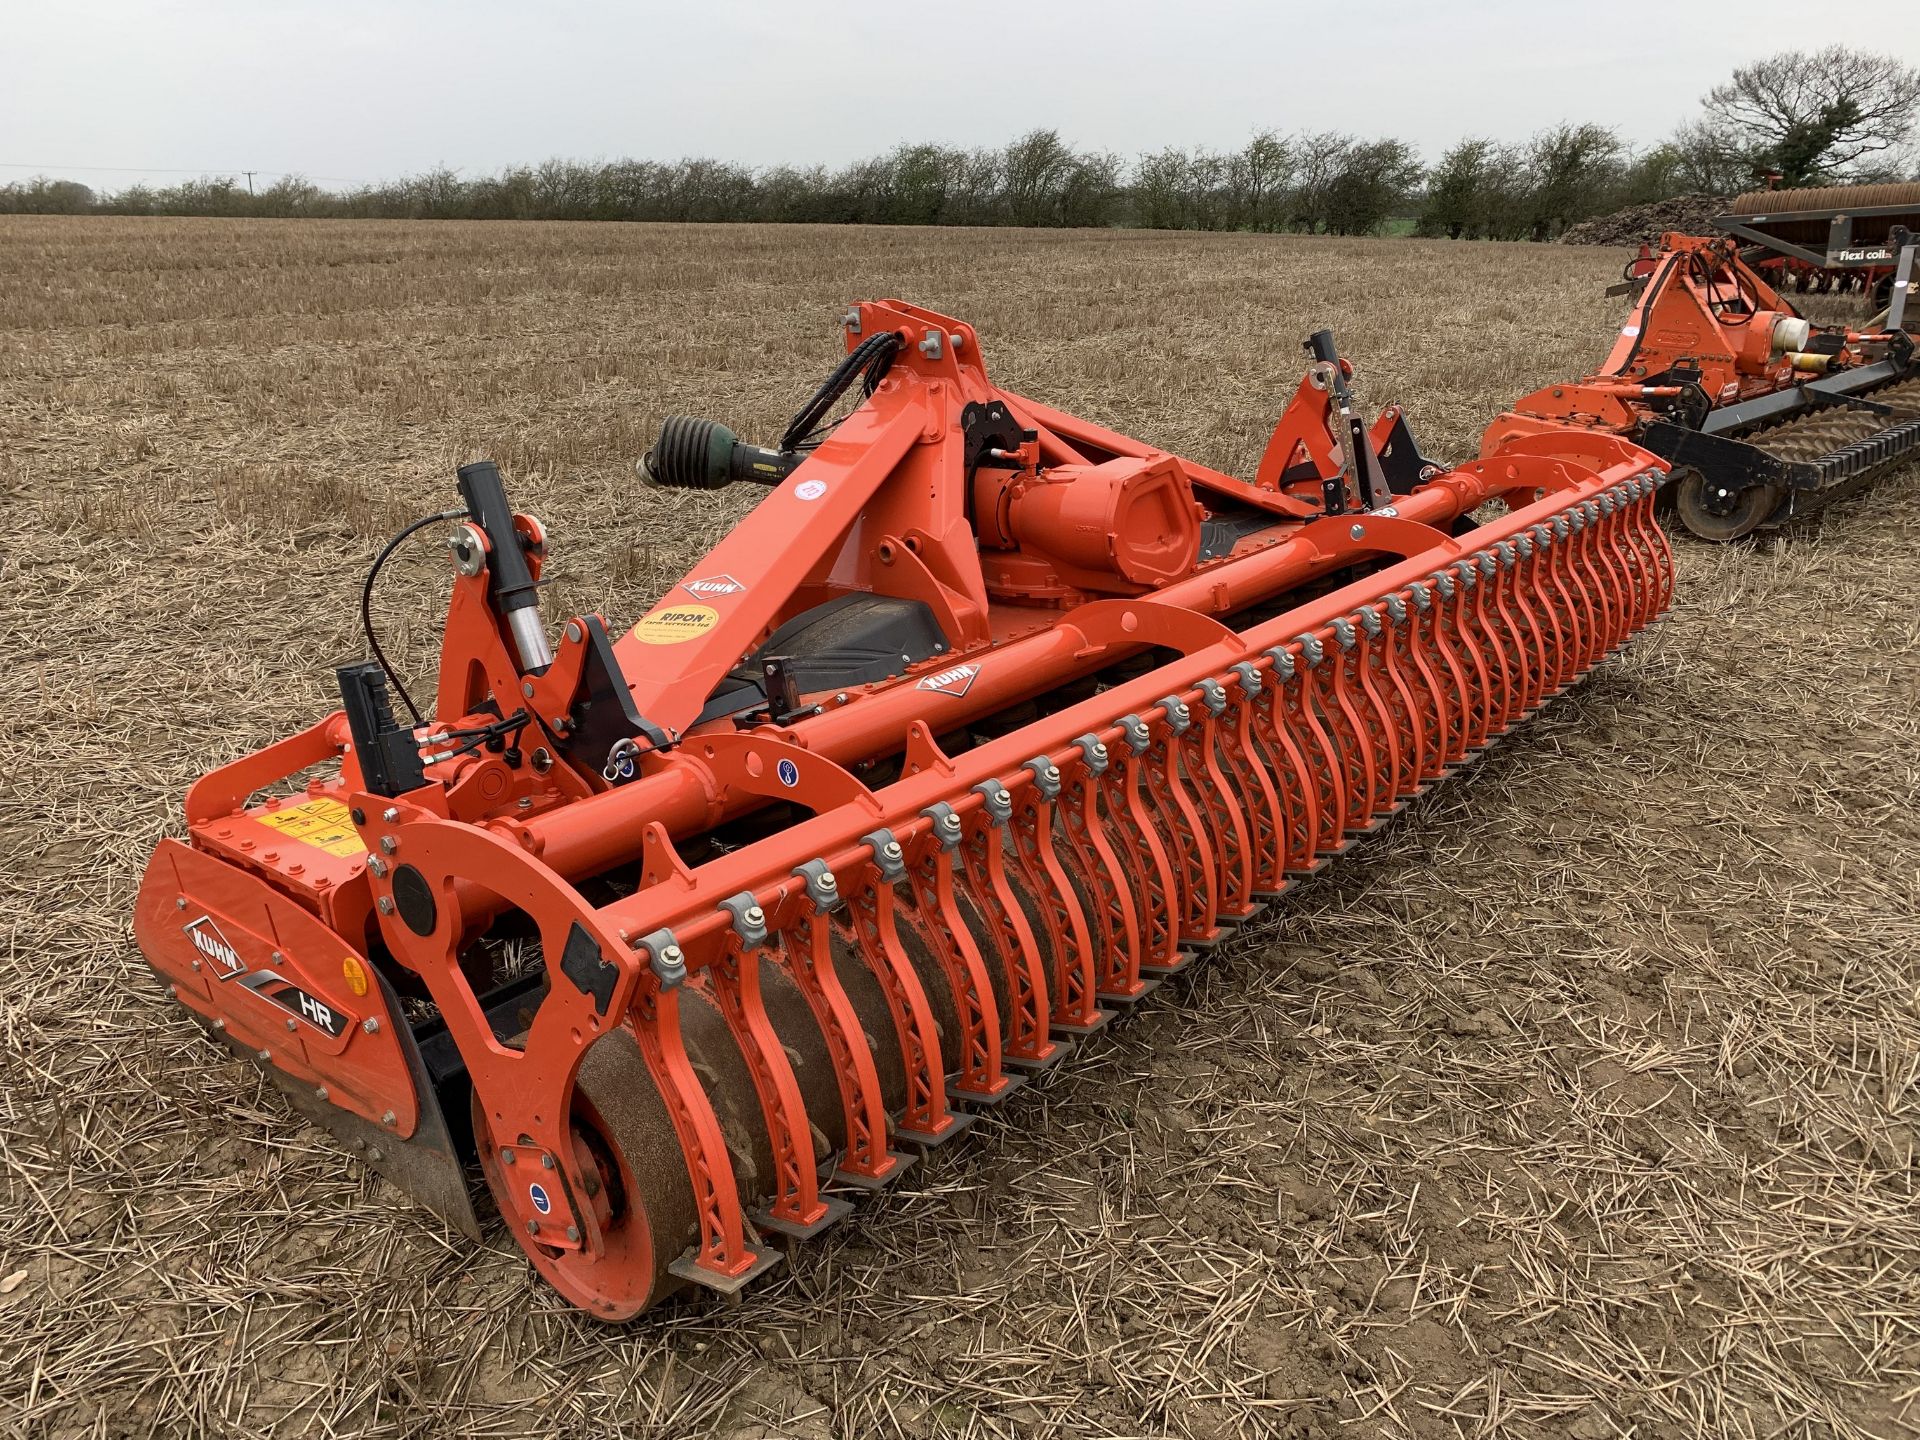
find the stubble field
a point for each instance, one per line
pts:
(1583, 1101)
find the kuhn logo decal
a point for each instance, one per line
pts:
(710, 587)
(955, 680)
(215, 948)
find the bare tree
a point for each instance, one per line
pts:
(1815, 115)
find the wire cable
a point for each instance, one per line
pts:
(366, 604)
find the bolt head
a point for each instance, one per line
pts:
(219, 1025)
(266, 1054)
(672, 955)
(1358, 532)
(371, 1025)
(373, 1155)
(195, 964)
(387, 1119)
(292, 1025)
(546, 1162)
(386, 904)
(388, 844)
(533, 1227)
(573, 1233)
(827, 882)
(526, 688)
(377, 866)
(756, 916)
(892, 850)
(391, 814)
(180, 903)
(320, 1093)
(507, 1157)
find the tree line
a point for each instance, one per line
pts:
(1821, 117)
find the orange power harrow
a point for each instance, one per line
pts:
(984, 722)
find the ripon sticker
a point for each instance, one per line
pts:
(788, 772)
(712, 587)
(542, 1202)
(675, 624)
(955, 680)
(215, 948)
(810, 489)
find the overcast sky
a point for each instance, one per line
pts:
(347, 91)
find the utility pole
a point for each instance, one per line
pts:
(249, 174)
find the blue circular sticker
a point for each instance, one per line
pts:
(541, 1201)
(788, 772)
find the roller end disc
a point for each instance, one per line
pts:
(1750, 510)
(626, 1148)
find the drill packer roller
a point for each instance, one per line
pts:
(983, 723)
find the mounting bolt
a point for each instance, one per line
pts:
(278, 958)
(1358, 532)
(195, 964)
(371, 1025)
(506, 1157)
(533, 1227)
(386, 904)
(292, 1025)
(377, 866)
(266, 1054)
(573, 632)
(388, 844)
(526, 688)
(755, 915)
(391, 814)
(387, 1119)
(373, 1155)
(546, 1162)
(320, 1092)
(219, 1025)
(573, 1233)
(180, 903)
(173, 992)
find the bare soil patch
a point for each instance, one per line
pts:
(1582, 1102)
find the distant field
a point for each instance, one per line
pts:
(1581, 1102)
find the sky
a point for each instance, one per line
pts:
(346, 92)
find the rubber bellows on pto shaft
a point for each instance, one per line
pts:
(705, 455)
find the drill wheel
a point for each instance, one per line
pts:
(1751, 509)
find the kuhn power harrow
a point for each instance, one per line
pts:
(1762, 416)
(984, 722)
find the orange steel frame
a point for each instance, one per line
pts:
(1421, 662)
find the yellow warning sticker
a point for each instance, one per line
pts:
(676, 623)
(321, 822)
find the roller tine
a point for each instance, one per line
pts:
(925, 1119)
(1296, 782)
(1118, 979)
(1375, 708)
(1574, 583)
(1193, 857)
(796, 1207)
(866, 1162)
(1659, 553)
(1249, 754)
(930, 875)
(1412, 670)
(1606, 560)
(726, 1255)
(1359, 761)
(1482, 678)
(1388, 692)
(1161, 916)
(983, 849)
(1429, 690)
(1517, 623)
(1442, 590)
(1547, 605)
(1222, 798)
(1308, 707)
(1633, 551)
(1484, 618)
(1070, 940)
(1605, 622)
